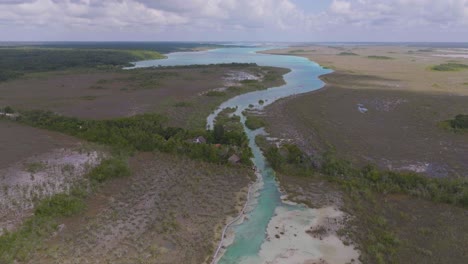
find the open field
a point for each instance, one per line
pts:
(409, 67)
(403, 107)
(181, 93)
(385, 112)
(21, 142)
(35, 164)
(171, 210)
(400, 130)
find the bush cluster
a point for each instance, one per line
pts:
(145, 132)
(450, 67)
(460, 122)
(290, 159)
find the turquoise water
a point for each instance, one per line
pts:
(250, 235)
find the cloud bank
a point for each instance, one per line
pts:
(279, 20)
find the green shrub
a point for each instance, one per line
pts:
(215, 93)
(110, 168)
(8, 110)
(59, 205)
(460, 122)
(254, 122)
(449, 67)
(379, 57)
(142, 132)
(347, 54)
(182, 104)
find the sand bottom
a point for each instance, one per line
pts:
(303, 235)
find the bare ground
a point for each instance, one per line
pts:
(36, 164)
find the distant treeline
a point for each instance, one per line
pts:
(161, 47)
(15, 62)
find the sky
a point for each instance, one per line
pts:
(235, 20)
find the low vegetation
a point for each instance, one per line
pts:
(215, 93)
(20, 244)
(459, 123)
(347, 54)
(297, 51)
(254, 122)
(375, 57)
(110, 168)
(449, 67)
(144, 133)
(378, 241)
(289, 159)
(8, 110)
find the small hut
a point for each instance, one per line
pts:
(234, 159)
(199, 140)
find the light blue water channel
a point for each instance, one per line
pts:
(303, 78)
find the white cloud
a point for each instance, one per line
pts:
(403, 13)
(269, 17)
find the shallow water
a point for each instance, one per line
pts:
(251, 234)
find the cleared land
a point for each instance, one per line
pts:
(382, 105)
(18, 142)
(35, 164)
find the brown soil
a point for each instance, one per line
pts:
(18, 142)
(34, 164)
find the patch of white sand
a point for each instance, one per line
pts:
(288, 242)
(464, 56)
(20, 188)
(233, 78)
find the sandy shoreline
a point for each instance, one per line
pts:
(304, 235)
(228, 235)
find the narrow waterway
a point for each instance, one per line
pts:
(252, 244)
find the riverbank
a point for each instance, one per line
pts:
(384, 112)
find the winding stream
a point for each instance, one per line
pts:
(252, 244)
